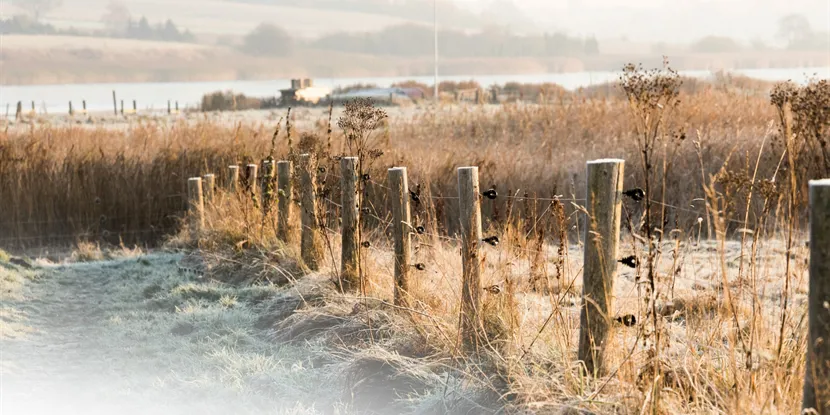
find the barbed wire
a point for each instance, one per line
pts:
(700, 214)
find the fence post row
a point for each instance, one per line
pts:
(310, 248)
(817, 377)
(233, 179)
(195, 206)
(267, 186)
(209, 187)
(284, 201)
(470, 221)
(602, 234)
(401, 232)
(350, 227)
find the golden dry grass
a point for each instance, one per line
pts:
(723, 343)
(529, 364)
(67, 180)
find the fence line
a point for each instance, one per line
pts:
(601, 226)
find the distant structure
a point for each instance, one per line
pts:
(391, 96)
(303, 92)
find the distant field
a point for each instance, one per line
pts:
(30, 42)
(217, 17)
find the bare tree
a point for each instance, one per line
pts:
(37, 8)
(794, 28)
(117, 17)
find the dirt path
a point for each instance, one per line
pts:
(135, 336)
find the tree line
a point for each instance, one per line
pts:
(133, 29)
(412, 40)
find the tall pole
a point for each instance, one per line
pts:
(435, 30)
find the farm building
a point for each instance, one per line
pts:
(381, 95)
(303, 92)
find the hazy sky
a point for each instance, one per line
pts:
(667, 20)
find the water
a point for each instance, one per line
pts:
(154, 96)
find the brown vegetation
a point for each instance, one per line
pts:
(708, 325)
(66, 181)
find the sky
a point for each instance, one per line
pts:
(667, 20)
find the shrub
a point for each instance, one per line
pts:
(268, 40)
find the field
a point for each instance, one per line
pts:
(217, 17)
(712, 317)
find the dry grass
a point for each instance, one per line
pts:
(68, 181)
(528, 363)
(727, 333)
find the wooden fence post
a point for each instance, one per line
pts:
(350, 227)
(284, 201)
(18, 115)
(817, 378)
(251, 179)
(114, 104)
(401, 232)
(169, 108)
(232, 184)
(310, 247)
(195, 206)
(135, 107)
(122, 107)
(83, 103)
(71, 110)
(470, 221)
(602, 235)
(209, 187)
(267, 185)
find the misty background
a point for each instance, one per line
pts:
(81, 41)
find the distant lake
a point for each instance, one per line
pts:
(154, 96)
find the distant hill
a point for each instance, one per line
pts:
(500, 12)
(216, 17)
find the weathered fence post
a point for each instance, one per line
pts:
(232, 184)
(350, 228)
(169, 108)
(310, 247)
(122, 107)
(251, 179)
(470, 221)
(817, 378)
(284, 201)
(209, 185)
(18, 115)
(83, 103)
(71, 110)
(267, 185)
(195, 206)
(114, 104)
(135, 107)
(401, 232)
(602, 234)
